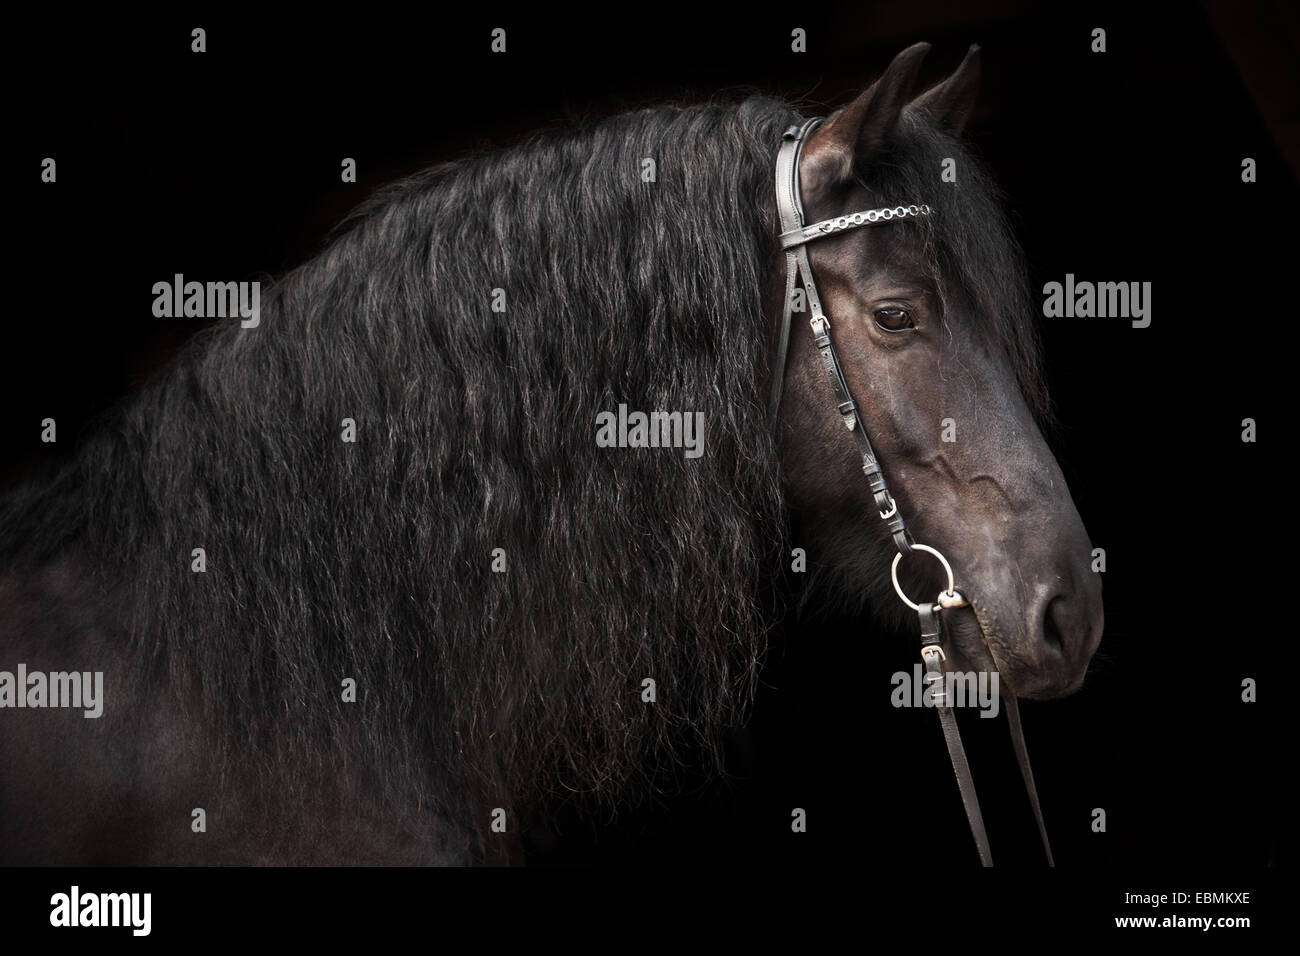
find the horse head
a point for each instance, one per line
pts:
(934, 332)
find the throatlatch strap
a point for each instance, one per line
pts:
(783, 343)
(789, 208)
(1026, 771)
(932, 653)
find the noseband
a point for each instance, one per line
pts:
(795, 237)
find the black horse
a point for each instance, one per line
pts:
(395, 648)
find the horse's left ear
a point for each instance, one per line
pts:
(856, 134)
(948, 104)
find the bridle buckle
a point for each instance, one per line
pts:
(929, 650)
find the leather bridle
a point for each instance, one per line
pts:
(795, 237)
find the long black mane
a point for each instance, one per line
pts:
(475, 431)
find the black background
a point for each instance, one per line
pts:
(1122, 166)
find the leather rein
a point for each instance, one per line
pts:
(795, 237)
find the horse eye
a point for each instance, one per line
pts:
(894, 320)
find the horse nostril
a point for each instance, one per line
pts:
(1051, 632)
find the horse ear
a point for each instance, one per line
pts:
(857, 133)
(949, 103)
